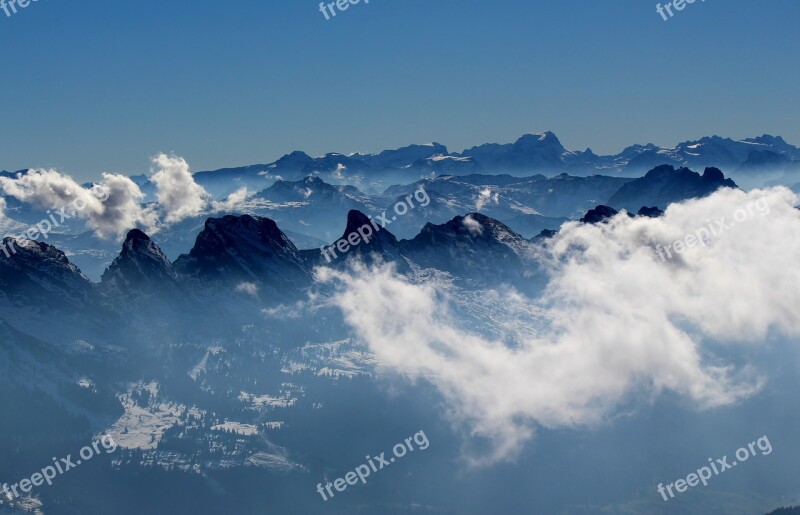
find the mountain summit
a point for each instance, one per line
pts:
(140, 269)
(243, 248)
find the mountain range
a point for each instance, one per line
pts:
(309, 211)
(250, 253)
(751, 160)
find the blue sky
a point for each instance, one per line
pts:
(92, 86)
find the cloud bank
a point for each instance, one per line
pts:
(114, 205)
(109, 208)
(623, 323)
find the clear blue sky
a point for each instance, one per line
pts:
(91, 85)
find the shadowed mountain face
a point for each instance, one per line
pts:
(233, 250)
(381, 238)
(237, 249)
(238, 265)
(47, 297)
(141, 267)
(375, 243)
(34, 272)
(650, 212)
(599, 214)
(472, 246)
(243, 248)
(664, 185)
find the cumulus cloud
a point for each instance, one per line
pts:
(621, 322)
(178, 195)
(114, 205)
(50, 189)
(120, 207)
(109, 208)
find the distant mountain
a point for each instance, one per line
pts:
(529, 155)
(528, 205)
(312, 206)
(650, 212)
(312, 189)
(372, 243)
(664, 185)
(795, 510)
(409, 162)
(405, 156)
(598, 215)
(472, 246)
(764, 158)
(715, 151)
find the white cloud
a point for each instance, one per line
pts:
(110, 208)
(236, 201)
(178, 195)
(247, 288)
(49, 189)
(473, 226)
(486, 197)
(290, 311)
(115, 204)
(622, 322)
(8, 225)
(122, 209)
